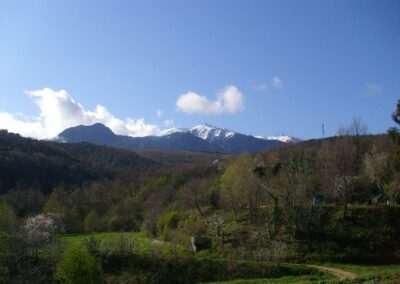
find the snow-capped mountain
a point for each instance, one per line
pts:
(204, 131)
(203, 137)
(212, 133)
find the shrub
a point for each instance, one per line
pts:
(78, 266)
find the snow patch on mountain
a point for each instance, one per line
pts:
(282, 138)
(209, 132)
(170, 131)
(212, 134)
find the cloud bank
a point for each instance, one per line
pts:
(229, 100)
(58, 111)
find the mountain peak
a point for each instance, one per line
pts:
(97, 133)
(210, 133)
(96, 125)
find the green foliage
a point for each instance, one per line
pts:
(92, 222)
(169, 221)
(8, 220)
(161, 269)
(78, 266)
(239, 186)
(367, 234)
(26, 201)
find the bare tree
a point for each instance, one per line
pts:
(356, 130)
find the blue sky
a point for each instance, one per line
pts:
(257, 67)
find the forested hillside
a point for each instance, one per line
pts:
(333, 199)
(28, 163)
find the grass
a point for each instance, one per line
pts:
(321, 278)
(296, 273)
(370, 271)
(138, 242)
(384, 274)
(106, 236)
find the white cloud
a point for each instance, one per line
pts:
(168, 122)
(159, 113)
(373, 90)
(58, 111)
(276, 82)
(229, 100)
(260, 87)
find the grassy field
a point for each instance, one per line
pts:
(371, 272)
(325, 278)
(384, 274)
(137, 241)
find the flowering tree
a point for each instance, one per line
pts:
(42, 228)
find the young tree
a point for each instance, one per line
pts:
(92, 222)
(239, 186)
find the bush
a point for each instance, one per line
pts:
(78, 266)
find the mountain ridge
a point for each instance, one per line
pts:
(200, 138)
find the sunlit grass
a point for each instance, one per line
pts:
(136, 242)
(383, 271)
(323, 278)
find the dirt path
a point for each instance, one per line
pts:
(341, 274)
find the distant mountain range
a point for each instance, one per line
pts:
(201, 138)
